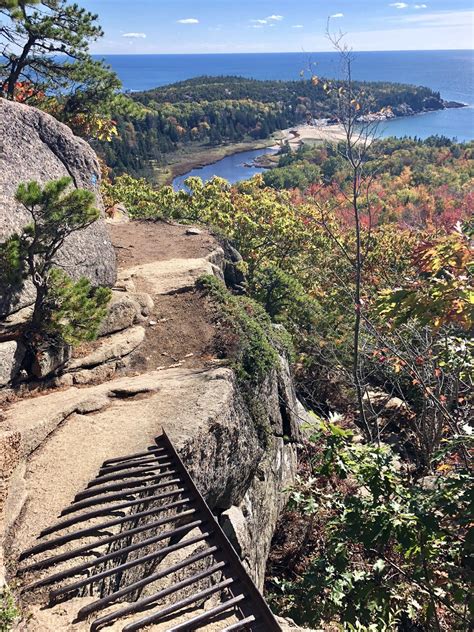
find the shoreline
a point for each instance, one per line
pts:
(188, 159)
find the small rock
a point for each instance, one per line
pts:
(145, 301)
(113, 347)
(99, 374)
(152, 322)
(122, 313)
(93, 404)
(64, 380)
(193, 231)
(235, 527)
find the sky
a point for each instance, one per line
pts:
(261, 26)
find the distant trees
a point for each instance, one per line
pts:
(216, 110)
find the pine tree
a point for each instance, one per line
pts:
(14, 4)
(63, 308)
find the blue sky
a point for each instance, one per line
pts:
(226, 26)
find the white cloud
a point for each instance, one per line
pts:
(277, 18)
(399, 5)
(259, 21)
(338, 15)
(439, 19)
(188, 21)
(135, 35)
(420, 6)
(297, 26)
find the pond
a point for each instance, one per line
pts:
(233, 168)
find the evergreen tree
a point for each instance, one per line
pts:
(34, 37)
(14, 4)
(63, 308)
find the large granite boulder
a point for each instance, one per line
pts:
(35, 146)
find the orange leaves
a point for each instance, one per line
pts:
(26, 92)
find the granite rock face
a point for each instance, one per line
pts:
(11, 355)
(35, 146)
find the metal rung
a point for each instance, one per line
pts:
(139, 471)
(205, 616)
(136, 482)
(44, 546)
(69, 537)
(132, 464)
(97, 605)
(101, 500)
(109, 510)
(76, 570)
(141, 623)
(240, 625)
(137, 455)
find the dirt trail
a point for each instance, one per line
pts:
(159, 258)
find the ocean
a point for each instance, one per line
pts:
(449, 72)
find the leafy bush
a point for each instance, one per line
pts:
(141, 200)
(387, 553)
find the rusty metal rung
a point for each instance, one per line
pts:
(132, 464)
(102, 500)
(110, 510)
(82, 533)
(80, 568)
(139, 471)
(97, 605)
(136, 482)
(138, 605)
(132, 490)
(241, 625)
(137, 455)
(179, 605)
(209, 614)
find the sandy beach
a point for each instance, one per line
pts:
(312, 133)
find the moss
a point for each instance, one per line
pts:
(248, 338)
(246, 334)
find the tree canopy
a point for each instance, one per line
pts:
(46, 63)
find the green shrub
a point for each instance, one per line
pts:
(8, 609)
(246, 333)
(63, 308)
(384, 552)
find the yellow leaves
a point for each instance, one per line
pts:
(356, 105)
(444, 467)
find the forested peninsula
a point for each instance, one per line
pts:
(207, 112)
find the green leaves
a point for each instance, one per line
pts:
(387, 551)
(74, 310)
(56, 210)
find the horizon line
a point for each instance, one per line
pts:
(405, 50)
